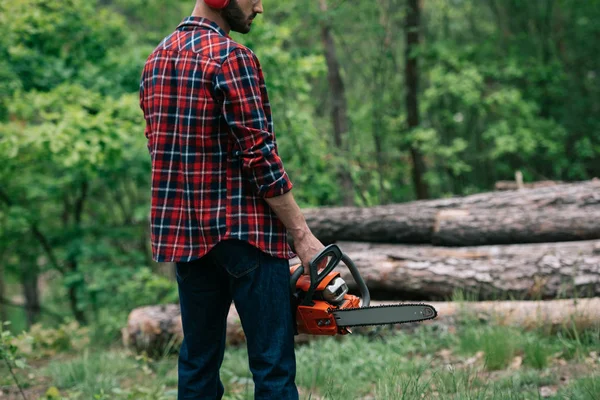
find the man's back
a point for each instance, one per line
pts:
(222, 204)
(210, 136)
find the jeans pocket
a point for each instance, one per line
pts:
(238, 257)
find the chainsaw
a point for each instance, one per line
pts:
(323, 306)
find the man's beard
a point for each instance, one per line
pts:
(235, 17)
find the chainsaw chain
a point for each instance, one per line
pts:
(337, 310)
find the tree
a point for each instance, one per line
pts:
(339, 108)
(413, 22)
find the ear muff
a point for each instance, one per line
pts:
(217, 3)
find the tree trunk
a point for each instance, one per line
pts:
(523, 271)
(381, 70)
(412, 84)
(29, 282)
(339, 108)
(72, 261)
(3, 313)
(156, 328)
(553, 213)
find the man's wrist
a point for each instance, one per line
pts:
(300, 233)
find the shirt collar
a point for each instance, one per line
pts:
(201, 22)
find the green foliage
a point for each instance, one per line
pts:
(52, 393)
(305, 148)
(76, 151)
(11, 358)
(116, 291)
(50, 42)
(39, 342)
(74, 128)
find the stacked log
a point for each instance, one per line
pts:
(564, 212)
(519, 271)
(152, 328)
(534, 245)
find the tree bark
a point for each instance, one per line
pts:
(3, 313)
(29, 281)
(413, 22)
(156, 329)
(339, 108)
(523, 271)
(554, 213)
(72, 261)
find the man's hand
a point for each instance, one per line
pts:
(307, 247)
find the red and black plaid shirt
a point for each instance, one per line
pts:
(211, 140)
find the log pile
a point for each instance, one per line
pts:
(532, 244)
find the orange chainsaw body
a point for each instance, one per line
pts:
(317, 318)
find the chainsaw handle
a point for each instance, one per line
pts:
(362, 286)
(316, 278)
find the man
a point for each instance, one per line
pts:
(222, 204)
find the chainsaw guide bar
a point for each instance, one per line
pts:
(384, 314)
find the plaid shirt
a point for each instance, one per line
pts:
(212, 145)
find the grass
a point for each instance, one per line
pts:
(112, 374)
(537, 350)
(474, 361)
(583, 389)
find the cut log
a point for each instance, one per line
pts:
(549, 315)
(157, 329)
(151, 328)
(513, 185)
(525, 271)
(562, 212)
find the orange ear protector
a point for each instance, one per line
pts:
(217, 3)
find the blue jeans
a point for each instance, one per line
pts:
(258, 284)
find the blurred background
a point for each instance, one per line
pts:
(374, 102)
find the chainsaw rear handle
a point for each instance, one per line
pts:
(316, 277)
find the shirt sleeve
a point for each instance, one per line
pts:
(147, 126)
(239, 81)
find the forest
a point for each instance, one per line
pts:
(387, 113)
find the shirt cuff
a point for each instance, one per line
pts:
(277, 188)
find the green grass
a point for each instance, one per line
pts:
(583, 389)
(102, 374)
(537, 350)
(498, 344)
(91, 373)
(392, 366)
